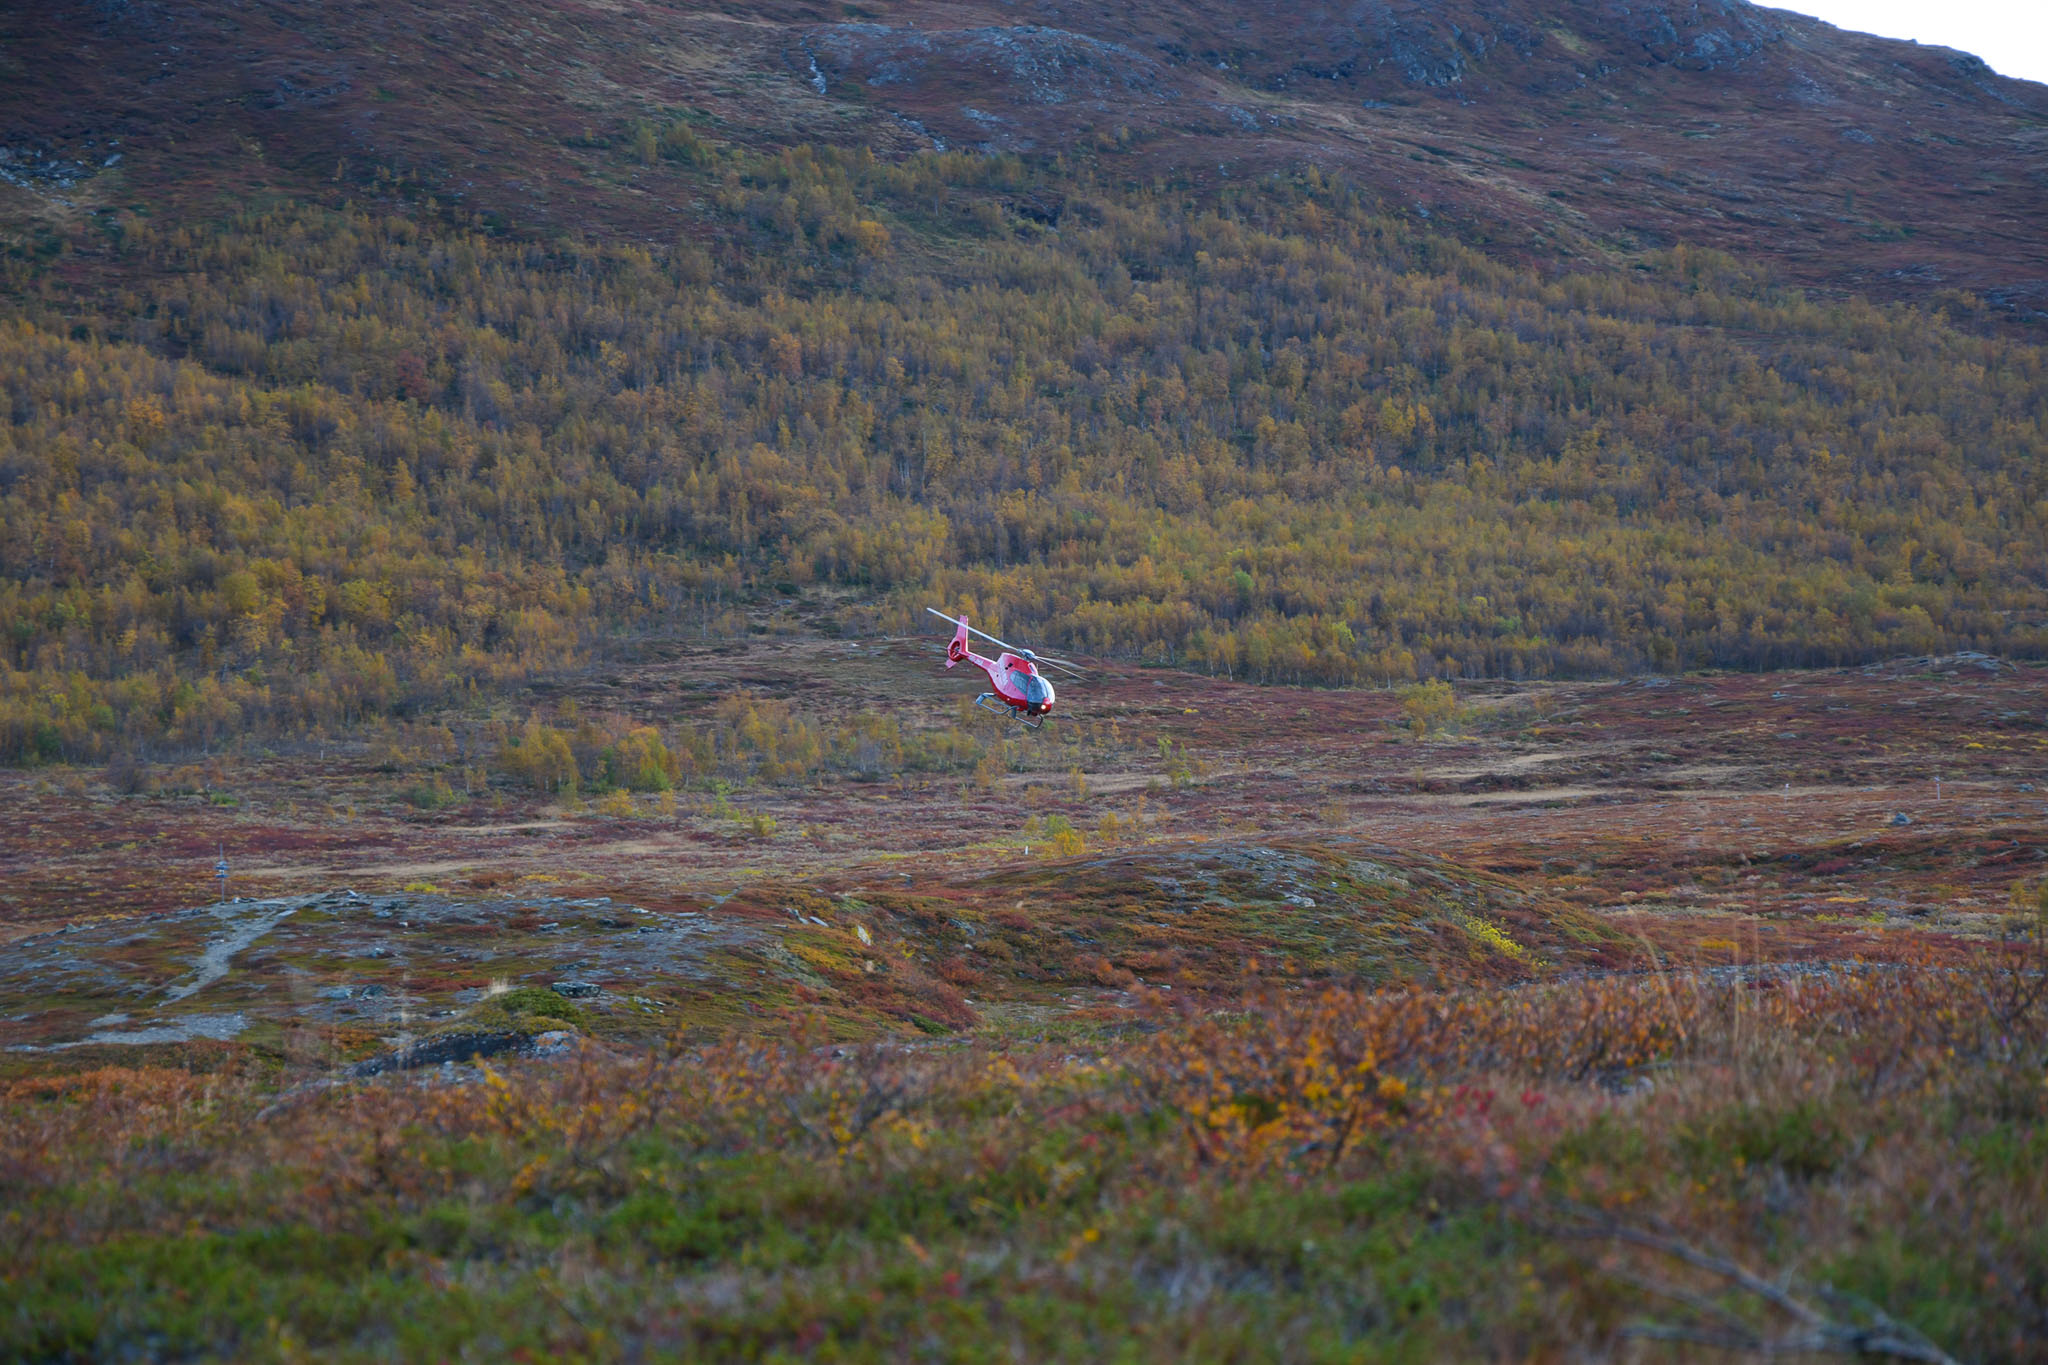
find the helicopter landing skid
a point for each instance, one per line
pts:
(987, 702)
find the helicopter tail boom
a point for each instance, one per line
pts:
(960, 644)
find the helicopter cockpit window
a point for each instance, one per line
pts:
(1031, 685)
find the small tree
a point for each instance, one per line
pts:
(1429, 706)
(541, 758)
(641, 762)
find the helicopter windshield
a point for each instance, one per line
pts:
(1031, 685)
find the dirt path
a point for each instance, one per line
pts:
(213, 962)
(220, 1028)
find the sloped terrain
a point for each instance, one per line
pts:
(1557, 132)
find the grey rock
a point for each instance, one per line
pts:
(554, 1043)
(451, 1047)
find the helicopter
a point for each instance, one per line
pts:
(1021, 690)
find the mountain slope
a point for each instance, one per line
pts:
(621, 326)
(1560, 132)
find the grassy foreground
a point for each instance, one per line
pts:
(1850, 1159)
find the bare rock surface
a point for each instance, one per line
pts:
(387, 965)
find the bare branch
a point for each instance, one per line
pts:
(1881, 1337)
(1718, 1265)
(1699, 1303)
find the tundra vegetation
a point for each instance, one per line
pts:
(1667, 1061)
(1846, 1161)
(1362, 971)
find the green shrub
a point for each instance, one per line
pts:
(1805, 1141)
(434, 795)
(525, 1009)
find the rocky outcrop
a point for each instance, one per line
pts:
(448, 1047)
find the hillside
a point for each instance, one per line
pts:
(308, 467)
(368, 356)
(1562, 134)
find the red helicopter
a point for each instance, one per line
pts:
(1020, 689)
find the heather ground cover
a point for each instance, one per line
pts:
(1646, 1162)
(1643, 1019)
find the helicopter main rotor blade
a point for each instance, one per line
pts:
(1062, 665)
(972, 631)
